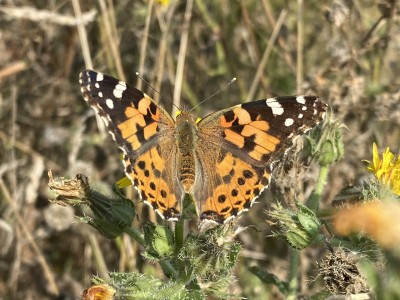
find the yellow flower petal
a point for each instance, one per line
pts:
(387, 170)
(163, 2)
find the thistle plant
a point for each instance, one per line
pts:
(198, 265)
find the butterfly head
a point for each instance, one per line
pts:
(184, 116)
(185, 129)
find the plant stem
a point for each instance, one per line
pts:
(179, 234)
(294, 260)
(135, 234)
(168, 269)
(313, 201)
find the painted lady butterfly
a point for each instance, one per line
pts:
(224, 161)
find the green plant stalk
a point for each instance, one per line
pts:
(294, 260)
(326, 213)
(313, 201)
(179, 239)
(334, 242)
(168, 269)
(136, 235)
(179, 235)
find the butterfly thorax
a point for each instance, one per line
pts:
(186, 139)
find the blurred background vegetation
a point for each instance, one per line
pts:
(347, 52)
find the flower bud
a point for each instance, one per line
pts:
(159, 240)
(299, 228)
(111, 216)
(325, 143)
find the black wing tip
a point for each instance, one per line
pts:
(87, 72)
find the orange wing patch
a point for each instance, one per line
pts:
(234, 138)
(149, 174)
(240, 185)
(253, 133)
(143, 119)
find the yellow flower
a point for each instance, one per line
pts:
(163, 2)
(387, 170)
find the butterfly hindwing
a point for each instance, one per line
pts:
(230, 187)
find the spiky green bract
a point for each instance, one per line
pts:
(111, 216)
(207, 260)
(299, 228)
(325, 142)
(138, 286)
(159, 241)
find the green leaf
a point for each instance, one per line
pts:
(270, 278)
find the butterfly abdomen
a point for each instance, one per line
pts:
(186, 138)
(186, 172)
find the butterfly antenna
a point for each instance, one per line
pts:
(216, 93)
(151, 87)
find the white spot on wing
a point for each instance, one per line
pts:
(117, 93)
(99, 77)
(289, 122)
(304, 108)
(100, 94)
(276, 107)
(110, 103)
(300, 116)
(97, 85)
(119, 89)
(301, 100)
